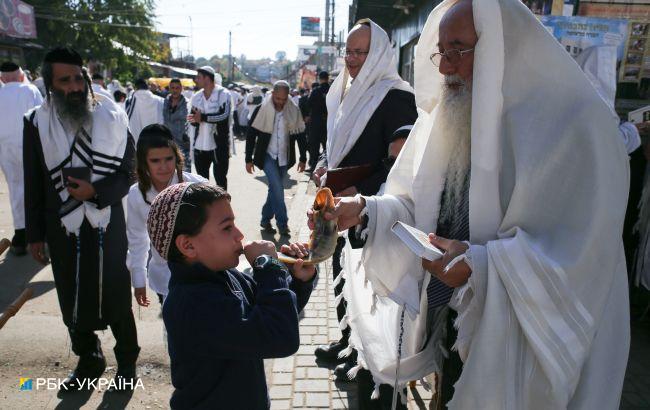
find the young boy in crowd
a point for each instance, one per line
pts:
(222, 323)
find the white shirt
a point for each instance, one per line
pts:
(15, 100)
(204, 140)
(279, 142)
(139, 244)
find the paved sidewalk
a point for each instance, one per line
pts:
(298, 382)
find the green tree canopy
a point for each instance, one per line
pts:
(118, 34)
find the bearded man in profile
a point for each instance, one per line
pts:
(525, 194)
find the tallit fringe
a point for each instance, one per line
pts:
(75, 311)
(375, 393)
(338, 279)
(346, 352)
(101, 269)
(338, 299)
(425, 384)
(352, 373)
(343, 324)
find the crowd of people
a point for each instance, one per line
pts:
(519, 176)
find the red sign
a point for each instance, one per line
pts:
(17, 19)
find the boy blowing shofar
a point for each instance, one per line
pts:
(222, 323)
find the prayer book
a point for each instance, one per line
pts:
(340, 178)
(417, 241)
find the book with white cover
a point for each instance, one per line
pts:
(417, 241)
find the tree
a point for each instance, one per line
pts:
(118, 34)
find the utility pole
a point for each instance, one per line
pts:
(230, 62)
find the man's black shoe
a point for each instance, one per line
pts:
(330, 352)
(341, 371)
(18, 243)
(267, 227)
(83, 377)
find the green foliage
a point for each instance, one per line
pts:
(96, 29)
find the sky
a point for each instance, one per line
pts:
(260, 28)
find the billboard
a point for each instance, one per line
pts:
(310, 26)
(17, 19)
(578, 33)
(628, 11)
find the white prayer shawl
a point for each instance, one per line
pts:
(348, 117)
(265, 119)
(543, 321)
(144, 108)
(101, 149)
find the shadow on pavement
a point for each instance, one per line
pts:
(15, 274)
(73, 399)
(115, 400)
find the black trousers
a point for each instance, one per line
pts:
(452, 366)
(315, 139)
(219, 159)
(366, 386)
(86, 344)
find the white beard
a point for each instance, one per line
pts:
(454, 122)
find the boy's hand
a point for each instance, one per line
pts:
(257, 248)
(298, 270)
(141, 296)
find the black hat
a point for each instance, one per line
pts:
(323, 75)
(9, 67)
(65, 55)
(140, 84)
(97, 76)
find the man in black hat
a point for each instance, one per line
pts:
(99, 86)
(318, 119)
(78, 162)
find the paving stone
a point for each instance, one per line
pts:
(298, 399)
(320, 339)
(308, 330)
(318, 400)
(282, 379)
(281, 405)
(338, 404)
(280, 392)
(312, 386)
(307, 361)
(313, 322)
(283, 365)
(318, 373)
(300, 373)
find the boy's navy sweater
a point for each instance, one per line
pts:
(220, 327)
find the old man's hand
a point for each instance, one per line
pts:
(454, 276)
(80, 190)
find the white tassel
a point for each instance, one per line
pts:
(375, 393)
(343, 324)
(345, 352)
(338, 299)
(352, 373)
(425, 384)
(364, 234)
(338, 279)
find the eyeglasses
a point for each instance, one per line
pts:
(355, 53)
(453, 56)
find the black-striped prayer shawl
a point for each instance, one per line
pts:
(101, 150)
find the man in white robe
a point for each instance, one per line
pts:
(540, 287)
(16, 98)
(143, 108)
